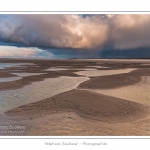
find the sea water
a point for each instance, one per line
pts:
(93, 73)
(5, 65)
(37, 91)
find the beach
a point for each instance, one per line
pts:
(76, 97)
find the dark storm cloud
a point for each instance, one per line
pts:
(77, 31)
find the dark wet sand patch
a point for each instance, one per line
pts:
(115, 81)
(6, 74)
(111, 81)
(86, 104)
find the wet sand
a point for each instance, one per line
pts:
(6, 74)
(139, 92)
(86, 104)
(82, 111)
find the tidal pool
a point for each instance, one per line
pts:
(93, 73)
(37, 91)
(98, 66)
(55, 69)
(8, 79)
(26, 74)
(61, 69)
(5, 65)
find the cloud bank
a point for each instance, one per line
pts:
(131, 31)
(11, 51)
(77, 31)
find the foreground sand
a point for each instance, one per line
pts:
(86, 104)
(82, 111)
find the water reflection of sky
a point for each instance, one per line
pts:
(37, 91)
(4, 65)
(8, 79)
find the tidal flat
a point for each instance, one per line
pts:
(75, 97)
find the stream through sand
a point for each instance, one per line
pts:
(94, 73)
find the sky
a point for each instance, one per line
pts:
(64, 36)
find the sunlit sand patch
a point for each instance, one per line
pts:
(83, 69)
(139, 92)
(61, 69)
(98, 66)
(37, 91)
(145, 64)
(55, 69)
(92, 73)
